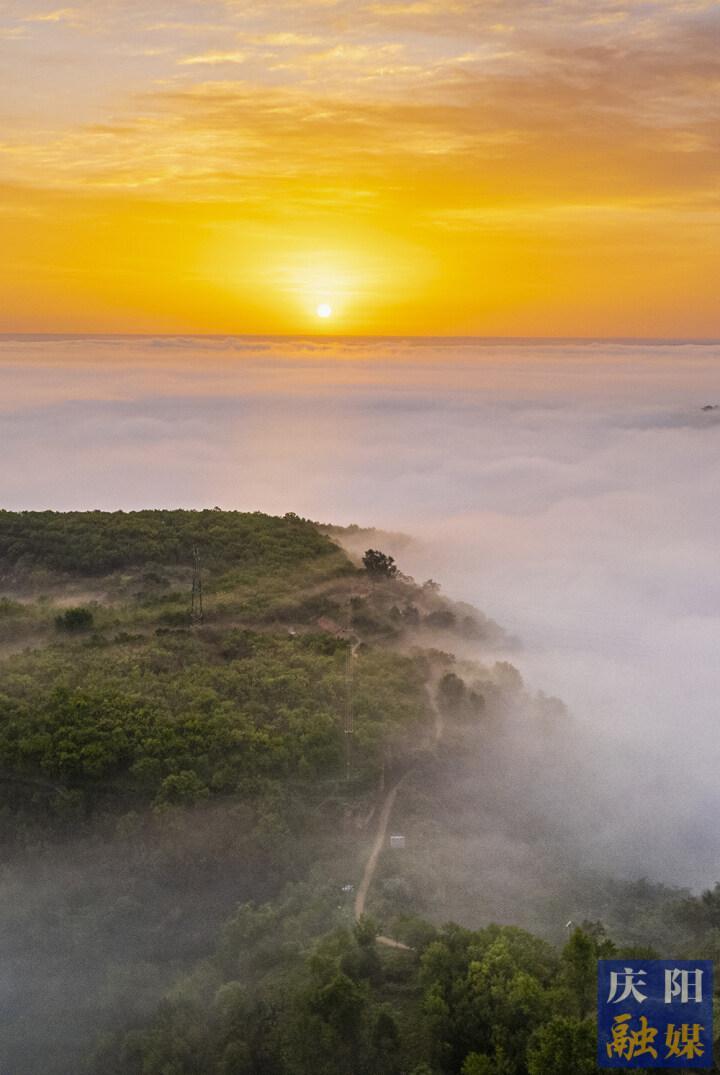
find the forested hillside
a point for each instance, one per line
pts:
(208, 721)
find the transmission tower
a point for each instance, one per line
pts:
(196, 605)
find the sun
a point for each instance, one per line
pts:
(324, 309)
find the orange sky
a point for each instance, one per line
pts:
(492, 167)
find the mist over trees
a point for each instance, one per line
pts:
(379, 564)
(185, 817)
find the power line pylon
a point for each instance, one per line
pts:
(196, 605)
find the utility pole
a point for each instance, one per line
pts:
(349, 715)
(196, 605)
(348, 711)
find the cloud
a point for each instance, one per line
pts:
(287, 39)
(568, 490)
(566, 94)
(516, 124)
(63, 14)
(214, 58)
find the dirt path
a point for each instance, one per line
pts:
(381, 834)
(372, 862)
(390, 943)
(377, 847)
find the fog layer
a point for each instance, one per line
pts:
(569, 490)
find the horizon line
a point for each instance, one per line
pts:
(327, 336)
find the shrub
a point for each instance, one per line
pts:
(74, 619)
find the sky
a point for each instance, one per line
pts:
(464, 167)
(568, 490)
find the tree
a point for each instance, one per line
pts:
(411, 615)
(386, 1043)
(182, 788)
(379, 565)
(365, 931)
(564, 1046)
(451, 691)
(586, 945)
(74, 619)
(341, 1004)
(443, 619)
(477, 1064)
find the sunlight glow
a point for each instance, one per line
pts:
(240, 181)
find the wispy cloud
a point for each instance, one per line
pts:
(12, 33)
(448, 116)
(212, 58)
(63, 14)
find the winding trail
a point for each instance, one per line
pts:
(377, 847)
(381, 834)
(372, 862)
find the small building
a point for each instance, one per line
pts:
(397, 842)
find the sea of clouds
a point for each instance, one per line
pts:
(570, 490)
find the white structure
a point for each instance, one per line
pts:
(397, 842)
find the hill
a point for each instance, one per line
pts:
(189, 801)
